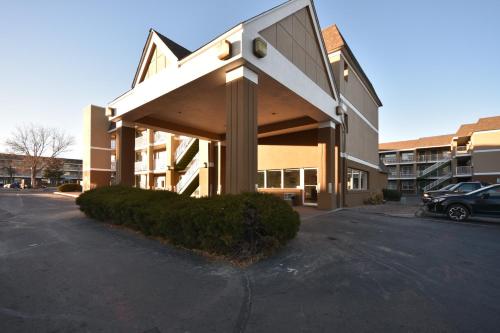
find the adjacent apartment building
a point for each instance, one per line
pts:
(470, 154)
(274, 104)
(13, 169)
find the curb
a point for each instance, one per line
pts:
(68, 194)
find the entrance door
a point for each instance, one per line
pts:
(310, 186)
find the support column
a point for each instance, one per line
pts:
(326, 144)
(206, 173)
(241, 130)
(125, 154)
(170, 179)
(96, 148)
(150, 151)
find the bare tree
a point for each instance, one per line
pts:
(38, 145)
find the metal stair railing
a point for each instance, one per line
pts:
(190, 174)
(437, 182)
(434, 167)
(183, 147)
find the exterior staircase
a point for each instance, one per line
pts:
(436, 166)
(190, 180)
(437, 182)
(185, 152)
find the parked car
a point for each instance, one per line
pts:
(458, 188)
(458, 207)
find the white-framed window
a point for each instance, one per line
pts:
(291, 178)
(273, 179)
(261, 179)
(357, 180)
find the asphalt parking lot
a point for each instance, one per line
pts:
(349, 271)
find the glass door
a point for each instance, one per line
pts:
(310, 186)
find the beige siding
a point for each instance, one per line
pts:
(295, 38)
(361, 140)
(354, 91)
(486, 162)
(486, 140)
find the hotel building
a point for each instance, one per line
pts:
(470, 154)
(274, 104)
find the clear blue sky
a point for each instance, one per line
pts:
(435, 64)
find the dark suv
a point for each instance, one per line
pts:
(458, 188)
(482, 202)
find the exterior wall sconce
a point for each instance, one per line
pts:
(110, 112)
(224, 50)
(259, 47)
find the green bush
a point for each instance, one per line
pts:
(374, 199)
(241, 225)
(391, 195)
(69, 188)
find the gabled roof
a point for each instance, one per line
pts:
(429, 141)
(177, 50)
(334, 42)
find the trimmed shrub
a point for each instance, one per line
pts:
(241, 225)
(391, 195)
(374, 199)
(69, 188)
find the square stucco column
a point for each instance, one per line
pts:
(241, 130)
(125, 155)
(96, 148)
(327, 190)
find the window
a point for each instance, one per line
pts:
(494, 192)
(357, 180)
(346, 71)
(468, 187)
(260, 179)
(274, 179)
(291, 178)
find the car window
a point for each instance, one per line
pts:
(468, 187)
(494, 192)
(447, 187)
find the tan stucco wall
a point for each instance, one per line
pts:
(486, 140)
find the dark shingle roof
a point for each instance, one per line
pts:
(179, 51)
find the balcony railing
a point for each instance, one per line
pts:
(405, 159)
(140, 166)
(192, 170)
(462, 150)
(434, 157)
(160, 165)
(141, 142)
(464, 170)
(389, 160)
(407, 174)
(160, 138)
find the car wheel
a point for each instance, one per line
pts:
(458, 212)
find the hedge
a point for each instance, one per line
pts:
(69, 188)
(240, 226)
(391, 195)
